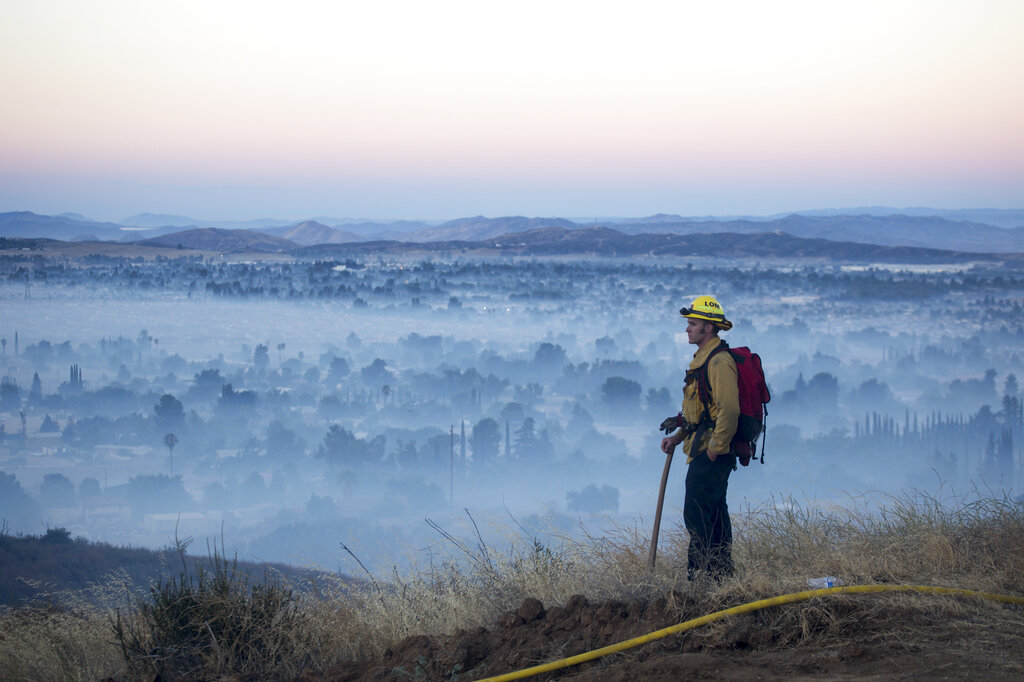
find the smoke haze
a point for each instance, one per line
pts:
(293, 407)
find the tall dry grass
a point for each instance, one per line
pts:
(971, 541)
(64, 635)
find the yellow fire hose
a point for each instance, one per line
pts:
(736, 610)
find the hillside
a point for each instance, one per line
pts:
(34, 566)
(892, 230)
(601, 241)
(163, 224)
(479, 228)
(887, 230)
(217, 239)
(543, 241)
(66, 228)
(497, 613)
(310, 232)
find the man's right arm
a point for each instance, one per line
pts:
(669, 443)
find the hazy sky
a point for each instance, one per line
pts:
(443, 109)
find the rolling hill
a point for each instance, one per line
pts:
(55, 562)
(66, 228)
(602, 241)
(893, 230)
(217, 239)
(310, 232)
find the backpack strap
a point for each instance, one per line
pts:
(700, 375)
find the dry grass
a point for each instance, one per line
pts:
(213, 621)
(969, 542)
(64, 636)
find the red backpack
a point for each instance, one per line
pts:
(754, 396)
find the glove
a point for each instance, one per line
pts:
(670, 424)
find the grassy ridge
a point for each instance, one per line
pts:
(969, 542)
(37, 566)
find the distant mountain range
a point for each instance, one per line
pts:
(542, 241)
(602, 241)
(863, 226)
(892, 230)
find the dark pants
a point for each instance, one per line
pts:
(706, 516)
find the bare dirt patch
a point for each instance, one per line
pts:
(844, 638)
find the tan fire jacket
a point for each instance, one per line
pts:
(724, 405)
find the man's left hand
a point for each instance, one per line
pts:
(670, 424)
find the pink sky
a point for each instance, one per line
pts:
(438, 110)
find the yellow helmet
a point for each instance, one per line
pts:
(707, 308)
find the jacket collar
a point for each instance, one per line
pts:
(701, 356)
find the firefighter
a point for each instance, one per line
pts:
(707, 443)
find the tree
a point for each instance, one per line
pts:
(405, 454)
(280, 347)
(206, 385)
(40, 354)
(159, 493)
(823, 391)
(513, 412)
(527, 442)
(18, 509)
(605, 347)
(261, 359)
(49, 425)
(580, 420)
(10, 395)
(341, 448)
(485, 440)
(169, 413)
(621, 395)
(337, 371)
(74, 383)
(56, 536)
(35, 393)
(236, 401)
(658, 401)
(56, 490)
(282, 442)
(170, 440)
(875, 393)
(592, 500)
(376, 373)
(550, 356)
(89, 487)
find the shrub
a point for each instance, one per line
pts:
(213, 621)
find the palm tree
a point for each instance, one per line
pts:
(170, 440)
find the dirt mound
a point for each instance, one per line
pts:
(746, 647)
